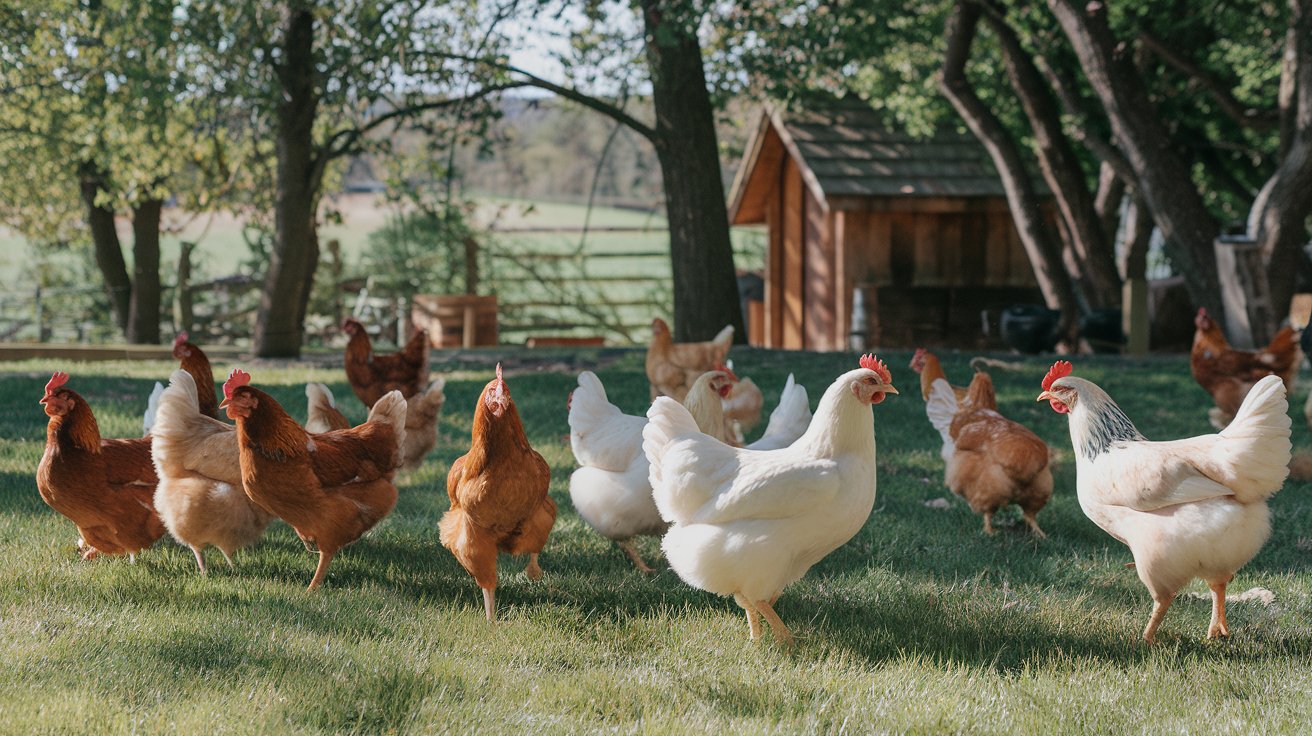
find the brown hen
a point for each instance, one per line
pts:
(1228, 374)
(498, 494)
(371, 375)
(331, 487)
(672, 368)
(106, 487)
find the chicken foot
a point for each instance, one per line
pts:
(490, 603)
(200, 560)
(627, 547)
(1159, 612)
(1033, 524)
(321, 572)
(753, 619)
(781, 631)
(1219, 626)
(533, 570)
(988, 522)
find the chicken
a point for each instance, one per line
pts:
(152, 409)
(331, 487)
(610, 490)
(372, 375)
(194, 361)
(748, 523)
(321, 412)
(106, 487)
(673, 367)
(200, 496)
(926, 364)
(498, 494)
(421, 424)
(1191, 508)
(742, 407)
(1228, 374)
(789, 419)
(992, 461)
(322, 415)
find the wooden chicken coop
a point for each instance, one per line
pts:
(919, 225)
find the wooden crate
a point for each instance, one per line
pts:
(456, 321)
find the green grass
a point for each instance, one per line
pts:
(920, 623)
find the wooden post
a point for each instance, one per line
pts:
(183, 313)
(470, 327)
(1245, 292)
(38, 316)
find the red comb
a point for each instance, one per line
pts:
(181, 338)
(1060, 369)
(871, 363)
(58, 379)
(236, 380)
(726, 369)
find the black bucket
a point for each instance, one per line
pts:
(1030, 328)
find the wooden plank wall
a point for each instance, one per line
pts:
(793, 228)
(819, 279)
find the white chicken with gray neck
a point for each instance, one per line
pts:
(1190, 508)
(748, 523)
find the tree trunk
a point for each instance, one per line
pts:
(143, 308)
(1163, 178)
(1060, 166)
(280, 323)
(109, 252)
(1278, 220)
(701, 253)
(1040, 244)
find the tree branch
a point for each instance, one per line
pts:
(1258, 120)
(593, 103)
(1064, 86)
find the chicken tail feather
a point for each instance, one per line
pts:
(1256, 445)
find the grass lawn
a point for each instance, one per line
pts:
(921, 623)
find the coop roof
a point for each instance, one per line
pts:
(843, 149)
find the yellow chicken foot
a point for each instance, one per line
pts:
(490, 603)
(753, 620)
(781, 632)
(988, 522)
(533, 570)
(1159, 612)
(200, 560)
(632, 552)
(1219, 626)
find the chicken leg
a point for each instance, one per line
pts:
(1159, 612)
(753, 619)
(321, 571)
(632, 552)
(781, 632)
(200, 560)
(1219, 626)
(490, 603)
(1033, 525)
(988, 522)
(533, 570)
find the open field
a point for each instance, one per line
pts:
(921, 623)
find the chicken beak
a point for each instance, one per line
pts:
(1045, 396)
(887, 388)
(44, 399)
(226, 401)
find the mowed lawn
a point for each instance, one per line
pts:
(921, 623)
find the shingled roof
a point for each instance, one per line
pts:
(843, 149)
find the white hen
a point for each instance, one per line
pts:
(1191, 508)
(610, 489)
(747, 523)
(200, 495)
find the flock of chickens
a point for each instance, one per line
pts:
(735, 520)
